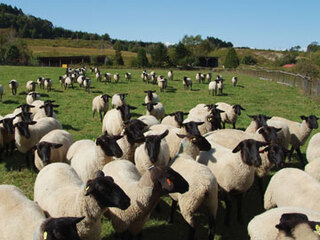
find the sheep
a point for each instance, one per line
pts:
(7, 131)
(13, 85)
(234, 81)
(220, 86)
(23, 219)
(313, 149)
(87, 84)
(234, 169)
(87, 157)
(40, 81)
(213, 87)
(162, 84)
(143, 75)
(283, 134)
(116, 77)
(257, 122)
(202, 190)
(174, 119)
(313, 169)
(68, 82)
(230, 114)
(155, 109)
(154, 151)
(80, 80)
(52, 147)
(31, 86)
(151, 96)
(198, 77)
(208, 77)
(292, 187)
(263, 226)
(32, 96)
(144, 191)
(187, 82)
(48, 84)
(100, 104)
(127, 76)
(1, 92)
(113, 121)
(149, 120)
(299, 132)
(45, 110)
(59, 191)
(118, 99)
(107, 77)
(170, 75)
(98, 76)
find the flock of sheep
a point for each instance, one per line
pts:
(125, 171)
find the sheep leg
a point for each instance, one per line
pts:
(13, 146)
(234, 126)
(100, 116)
(290, 153)
(1, 150)
(261, 190)
(239, 208)
(212, 227)
(302, 160)
(191, 231)
(227, 200)
(173, 210)
(223, 125)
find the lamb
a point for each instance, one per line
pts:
(127, 76)
(87, 157)
(116, 77)
(187, 82)
(107, 77)
(113, 121)
(313, 169)
(213, 87)
(40, 81)
(234, 81)
(257, 122)
(98, 76)
(155, 151)
(144, 191)
(170, 75)
(48, 84)
(151, 97)
(313, 149)
(80, 80)
(292, 187)
(202, 190)
(234, 169)
(13, 85)
(16, 208)
(52, 147)
(45, 110)
(118, 99)
(149, 120)
(162, 84)
(263, 226)
(299, 132)
(68, 82)
(100, 104)
(174, 119)
(230, 114)
(59, 191)
(1, 92)
(87, 84)
(32, 96)
(155, 109)
(31, 86)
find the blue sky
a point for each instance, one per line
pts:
(272, 24)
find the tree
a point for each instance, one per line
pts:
(159, 56)
(118, 58)
(180, 52)
(307, 67)
(12, 54)
(232, 60)
(142, 60)
(312, 47)
(249, 60)
(117, 46)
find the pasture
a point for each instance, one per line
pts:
(74, 113)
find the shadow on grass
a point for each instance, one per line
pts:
(97, 91)
(136, 115)
(240, 86)
(69, 127)
(23, 93)
(44, 95)
(195, 90)
(171, 89)
(10, 102)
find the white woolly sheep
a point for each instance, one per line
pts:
(44, 110)
(154, 151)
(1, 92)
(107, 77)
(87, 84)
(31, 86)
(262, 227)
(162, 84)
(48, 84)
(202, 190)
(299, 132)
(31, 97)
(80, 80)
(127, 76)
(170, 75)
(155, 109)
(113, 121)
(174, 119)
(208, 77)
(234, 81)
(151, 97)
(116, 77)
(292, 187)
(257, 122)
(144, 191)
(187, 82)
(198, 77)
(149, 120)
(313, 169)
(16, 208)
(234, 169)
(68, 82)
(230, 114)
(59, 191)
(313, 149)
(13, 85)
(98, 76)
(213, 87)
(52, 147)
(40, 81)
(87, 157)
(100, 104)
(118, 99)
(220, 86)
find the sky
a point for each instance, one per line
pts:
(272, 24)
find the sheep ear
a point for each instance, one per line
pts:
(109, 178)
(32, 123)
(79, 219)
(98, 141)
(277, 129)
(100, 173)
(252, 116)
(261, 144)
(185, 113)
(238, 147)
(144, 104)
(164, 134)
(19, 106)
(181, 135)
(268, 117)
(261, 130)
(42, 106)
(171, 114)
(199, 123)
(154, 104)
(57, 145)
(303, 117)
(242, 108)
(1, 121)
(55, 105)
(153, 91)
(118, 137)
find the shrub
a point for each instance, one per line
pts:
(249, 60)
(307, 67)
(232, 60)
(118, 58)
(142, 60)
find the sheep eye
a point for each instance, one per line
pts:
(193, 139)
(209, 119)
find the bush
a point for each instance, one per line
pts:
(118, 58)
(232, 60)
(249, 60)
(142, 60)
(307, 67)
(287, 58)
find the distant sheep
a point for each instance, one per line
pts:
(48, 84)
(31, 86)
(170, 75)
(98, 76)
(116, 77)
(155, 109)
(174, 119)
(87, 84)
(118, 99)
(213, 87)
(187, 82)
(107, 77)
(13, 85)
(230, 114)
(100, 104)
(162, 84)
(40, 81)
(234, 81)
(32, 96)
(127, 76)
(208, 77)
(151, 96)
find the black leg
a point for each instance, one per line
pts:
(223, 125)
(1, 151)
(13, 145)
(290, 153)
(239, 208)
(100, 116)
(234, 126)
(27, 160)
(173, 210)
(227, 200)
(212, 227)
(301, 157)
(191, 232)
(261, 190)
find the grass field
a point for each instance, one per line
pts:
(256, 96)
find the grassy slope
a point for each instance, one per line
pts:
(74, 113)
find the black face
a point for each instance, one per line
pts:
(107, 193)
(312, 121)
(260, 119)
(149, 94)
(237, 109)
(125, 112)
(289, 220)
(134, 133)
(109, 145)
(23, 128)
(249, 150)
(215, 119)
(150, 106)
(63, 228)
(48, 107)
(178, 116)
(105, 98)
(8, 125)
(44, 150)
(201, 142)
(192, 127)
(269, 134)
(276, 155)
(25, 107)
(34, 95)
(152, 145)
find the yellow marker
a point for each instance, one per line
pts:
(87, 188)
(318, 229)
(45, 235)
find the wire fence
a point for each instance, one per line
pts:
(310, 86)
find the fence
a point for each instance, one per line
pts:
(308, 85)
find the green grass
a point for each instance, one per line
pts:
(256, 96)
